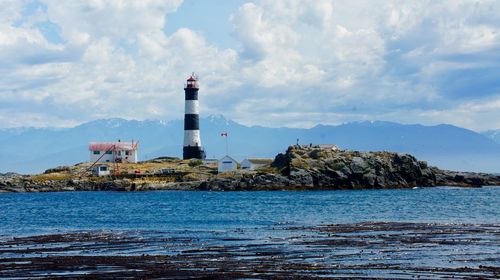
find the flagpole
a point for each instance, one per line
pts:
(224, 134)
(227, 149)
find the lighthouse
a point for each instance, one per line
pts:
(192, 142)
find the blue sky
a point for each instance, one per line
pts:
(274, 63)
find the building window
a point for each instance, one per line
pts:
(109, 152)
(127, 153)
(119, 153)
(97, 152)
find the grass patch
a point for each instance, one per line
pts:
(52, 177)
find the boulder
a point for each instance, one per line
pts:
(301, 177)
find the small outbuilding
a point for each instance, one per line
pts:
(227, 164)
(255, 163)
(100, 170)
(329, 147)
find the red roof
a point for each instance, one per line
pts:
(105, 146)
(191, 79)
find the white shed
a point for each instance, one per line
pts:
(100, 170)
(329, 147)
(227, 164)
(254, 163)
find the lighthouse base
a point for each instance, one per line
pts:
(191, 152)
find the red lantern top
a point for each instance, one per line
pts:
(192, 82)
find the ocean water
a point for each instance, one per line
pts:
(405, 233)
(23, 214)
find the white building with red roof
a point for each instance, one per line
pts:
(113, 151)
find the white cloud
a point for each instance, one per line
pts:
(108, 18)
(297, 62)
(122, 64)
(11, 11)
(471, 39)
(294, 43)
(477, 115)
(380, 56)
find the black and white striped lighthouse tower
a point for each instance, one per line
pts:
(192, 142)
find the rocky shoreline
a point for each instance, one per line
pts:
(299, 168)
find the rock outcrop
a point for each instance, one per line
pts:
(313, 166)
(351, 169)
(299, 168)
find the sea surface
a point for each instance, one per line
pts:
(39, 213)
(429, 232)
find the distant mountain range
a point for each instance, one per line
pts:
(31, 150)
(493, 135)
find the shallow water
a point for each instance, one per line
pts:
(404, 233)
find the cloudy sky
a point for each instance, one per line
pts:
(274, 63)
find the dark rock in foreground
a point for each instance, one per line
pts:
(300, 168)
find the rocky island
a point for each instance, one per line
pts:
(299, 168)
